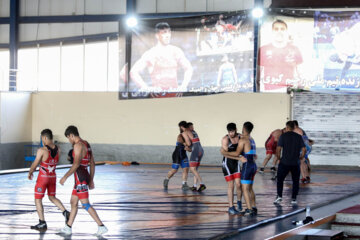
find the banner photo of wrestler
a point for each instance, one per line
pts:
(337, 45)
(190, 56)
(286, 54)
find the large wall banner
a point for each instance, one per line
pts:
(337, 45)
(190, 56)
(286, 55)
(317, 51)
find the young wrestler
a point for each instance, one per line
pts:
(304, 163)
(231, 167)
(192, 139)
(179, 159)
(270, 146)
(47, 157)
(83, 156)
(246, 147)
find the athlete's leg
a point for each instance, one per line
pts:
(238, 189)
(246, 192)
(185, 174)
(276, 161)
(197, 177)
(74, 201)
(171, 173)
(230, 192)
(40, 209)
(252, 196)
(86, 205)
(57, 203)
(266, 160)
(303, 168)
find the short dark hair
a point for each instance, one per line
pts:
(47, 133)
(290, 124)
(189, 124)
(296, 123)
(182, 124)
(231, 127)
(71, 130)
(161, 26)
(279, 21)
(248, 127)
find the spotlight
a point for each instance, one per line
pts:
(131, 22)
(257, 12)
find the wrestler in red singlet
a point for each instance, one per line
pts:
(82, 177)
(47, 176)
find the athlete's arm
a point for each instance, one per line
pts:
(187, 139)
(227, 155)
(188, 70)
(135, 71)
(239, 149)
(303, 151)
(225, 143)
(241, 159)
(77, 157)
(38, 158)
(92, 172)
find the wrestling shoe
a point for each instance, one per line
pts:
(248, 212)
(293, 201)
(40, 226)
(262, 170)
(166, 183)
(185, 187)
(278, 200)
(202, 187)
(66, 230)
(255, 210)
(232, 211)
(308, 179)
(66, 215)
(239, 204)
(101, 230)
(193, 189)
(273, 169)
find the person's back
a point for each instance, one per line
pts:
(292, 147)
(276, 134)
(180, 147)
(299, 131)
(292, 144)
(249, 149)
(195, 138)
(49, 161)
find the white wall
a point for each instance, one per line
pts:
(164, 6)
(103, 119)
(71, 7)
(4, 33)
(4, 8)
(15, 117)
(31, 32)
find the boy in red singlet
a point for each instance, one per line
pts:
(84, 181)
(47, 157)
